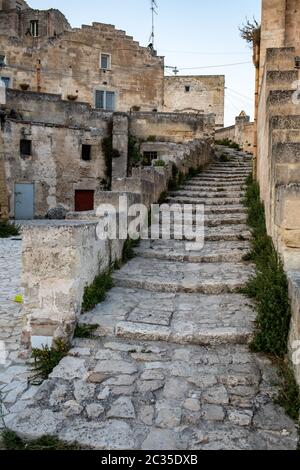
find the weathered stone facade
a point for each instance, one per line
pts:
(242, 133)
(96, 64)
(202, 94)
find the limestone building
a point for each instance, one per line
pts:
(97, 64)
(202, 94)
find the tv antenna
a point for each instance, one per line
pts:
(154, 8)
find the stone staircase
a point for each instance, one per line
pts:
(169, 366)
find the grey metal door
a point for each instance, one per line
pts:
(24, 201)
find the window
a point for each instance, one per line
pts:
(25, 147)
(148, 157)
(105, 61)
(2, 60)
(6, 81)
(34, 28)
(86, 152)
(105, 100)
(297, 62)
(187, 89)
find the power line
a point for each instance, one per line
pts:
(204, 53)
(240, 94)
(216, 66)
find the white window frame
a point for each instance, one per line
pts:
(109, 60)
(104, 99)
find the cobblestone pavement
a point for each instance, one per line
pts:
(13, 371)
(169, 366)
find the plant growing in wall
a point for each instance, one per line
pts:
(159, 163)
(96, 292)
(251, 32)
(134, 155)
(46, 359)
(8, 229)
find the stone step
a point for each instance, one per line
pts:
(202, 188)
(221, 178)
(229, 209)
(217, 233)
(220, 181)
(170, 276)
(223, 171)
(215, 184)
(210, 220)
(177, 318)
(208, 194)
(210, 201)
(212, 252)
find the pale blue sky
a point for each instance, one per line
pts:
(189, 33)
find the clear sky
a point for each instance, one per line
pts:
(189, 33)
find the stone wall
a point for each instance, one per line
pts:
(202, 94)
(59, 260)
(171, 127)
(242, 133)
(278, 164)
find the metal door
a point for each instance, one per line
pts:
(24, 201)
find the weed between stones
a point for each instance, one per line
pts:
(46, 359)
(8, 229)
(96, 292)
(11, 441)
(269, 290)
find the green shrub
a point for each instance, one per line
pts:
(96, 292)
(228, 143)
(85, 331)
(289, 395)
(224, 158)
(128, 249)
(159, 163)
(46, 359)
(269, 287)
(11, 441)
(8, 229)
(163, 198)
(134, 155)
(151, 138)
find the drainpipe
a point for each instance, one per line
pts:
(256, 57)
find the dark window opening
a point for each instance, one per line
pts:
(187, 89)
(148, 157)
(86, 152)
(84, 200)
(34, 28)
(6, 81)
(2, 60)
(25, 147)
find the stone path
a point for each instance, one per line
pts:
(170, 367)
(13, 371)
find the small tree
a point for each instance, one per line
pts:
(251, 32)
